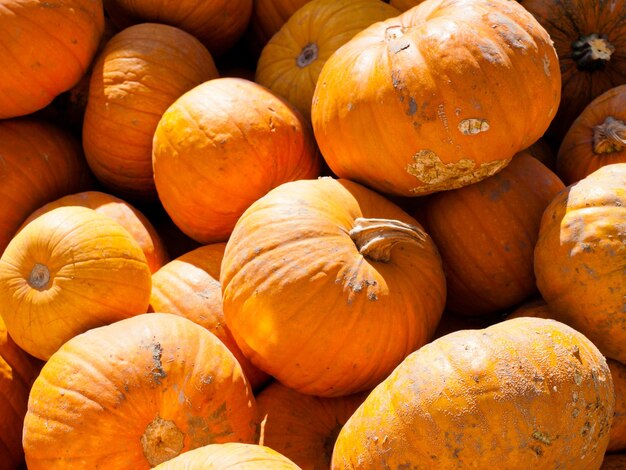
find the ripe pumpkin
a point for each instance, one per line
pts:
(217, 23)
(67, 271)
(404, 5)
(318, 275)
(132, 83)
(487, 399)
(596, 138)
(413, 105)
(47, 47)
(231, 137)
(303, 427)
(123, 213)
(617, 440)
(39, 163)
(189, 286)
(292, 60)
(134, 394)
(268, 16)
(543, 152)
(534, 308)
(580, 258)
(486, 233)
(590, 40)
(230, 455)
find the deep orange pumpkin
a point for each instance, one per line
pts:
(404, 5)
(268, 16)
(617, 441)
(614, 462)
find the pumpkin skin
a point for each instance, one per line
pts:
(227, 136)
(40, 163)
(614, 462)
(292, 60)
(63, 36)
(217, 24)
(543, 152)
(590, 40)
(617, 441)
(189, 286)
(123, 213)
(534, 308)
(596, 138)
(132, 84)
(303, 427)
(580, 258)
(69, 270)
(486, 399)
(315, 281)
(410, 106)
(127, 395)
(230, 455)
(268, 16)
(486, 234)
(404, 5)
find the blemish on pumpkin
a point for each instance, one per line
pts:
(157, 370)
(473, 126)
(546, 65)
(39, 277)
(161, 441)
(412, 107)
(578, 379)
(542, 437)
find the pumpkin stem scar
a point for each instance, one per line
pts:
(161, 441)
(308, 55)
(609, 137)
(39, 277)
(375, 238)
(591, 53)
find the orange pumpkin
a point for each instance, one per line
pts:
(580, 258)
(543, 152)
(413, 105)
(486, 233)
(67, 271)
(487, 399)
(268, 16)
(404, 5)
(614, 462)
(132, 83)
(617, 440)
(135, 394)
(303, 427)
(47, 47)
(123, 213)
(292, 60)
(188, 286)
(327, 286)
(220, 147)
(596, 138)
(534, 308)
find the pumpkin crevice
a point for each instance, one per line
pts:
(308, 55)
(161, 441)
(610, 136)
(375, 238)
(39, 277)
(592, 52)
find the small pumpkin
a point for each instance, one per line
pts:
(327, 286)
(487, 399)
(69, 270)
(128, 396)
(617, 440)
(596, 138)
(413, 105)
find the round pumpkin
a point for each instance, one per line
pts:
(230, 455)
(132, 83)
(533, 308)
(293, 58)
(220, 147)
(580, 258)
(120, 211)
(39, 163)
(617, 440)
(303, 427)
(189, 286)
(69, 270)
(487, 399)
(134, 394)
(414, 105)
(268, 16)
(596, 138)
(47, 47)
(327, 286)
(486, 233)
(218, 24)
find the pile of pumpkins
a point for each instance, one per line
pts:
(346, 234)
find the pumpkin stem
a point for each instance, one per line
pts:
(375, 238)
(591, 53)
(610, 136)
(308, 55)
(39, 277)
(161, 441)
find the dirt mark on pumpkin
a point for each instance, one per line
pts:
(157, 366)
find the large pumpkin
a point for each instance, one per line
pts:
(132, 83)
(293, 58)
(134, 394)
(328, 286)
(521, 394)
(189, 286)
(47, 47)
(268, 16)
(67, 271)
(415, 104)
(580, 258)
(486, 233)
(596, 138)
(223, 145)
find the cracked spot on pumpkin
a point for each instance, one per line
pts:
(543, 437)
(157, 370)
(436, 175)
(473, 126)
(546, 65)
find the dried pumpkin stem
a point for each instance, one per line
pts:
(161, 441)
(610, 136)
(591, 53)
(39, 277)
(375, 238)
(308, 55)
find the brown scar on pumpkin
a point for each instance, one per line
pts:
(473, 126)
